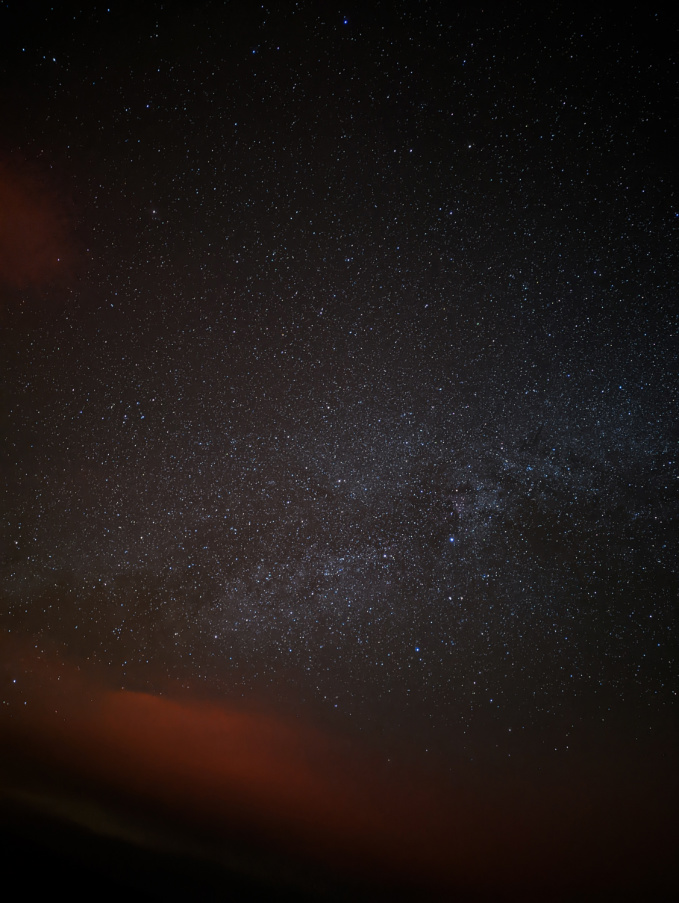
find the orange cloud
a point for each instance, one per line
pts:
(37, 247)
(271, 782)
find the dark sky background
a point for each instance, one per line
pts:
(340, 444)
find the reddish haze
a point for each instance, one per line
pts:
(37, 247)
(295, 790)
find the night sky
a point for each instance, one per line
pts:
(340, 439)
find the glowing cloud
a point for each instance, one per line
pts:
(263, 784)
(36, 237)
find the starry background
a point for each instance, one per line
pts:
(340, 362)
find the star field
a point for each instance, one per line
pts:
(354, 382)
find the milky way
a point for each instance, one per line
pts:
(356, 390)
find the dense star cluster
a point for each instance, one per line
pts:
(348, 374)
